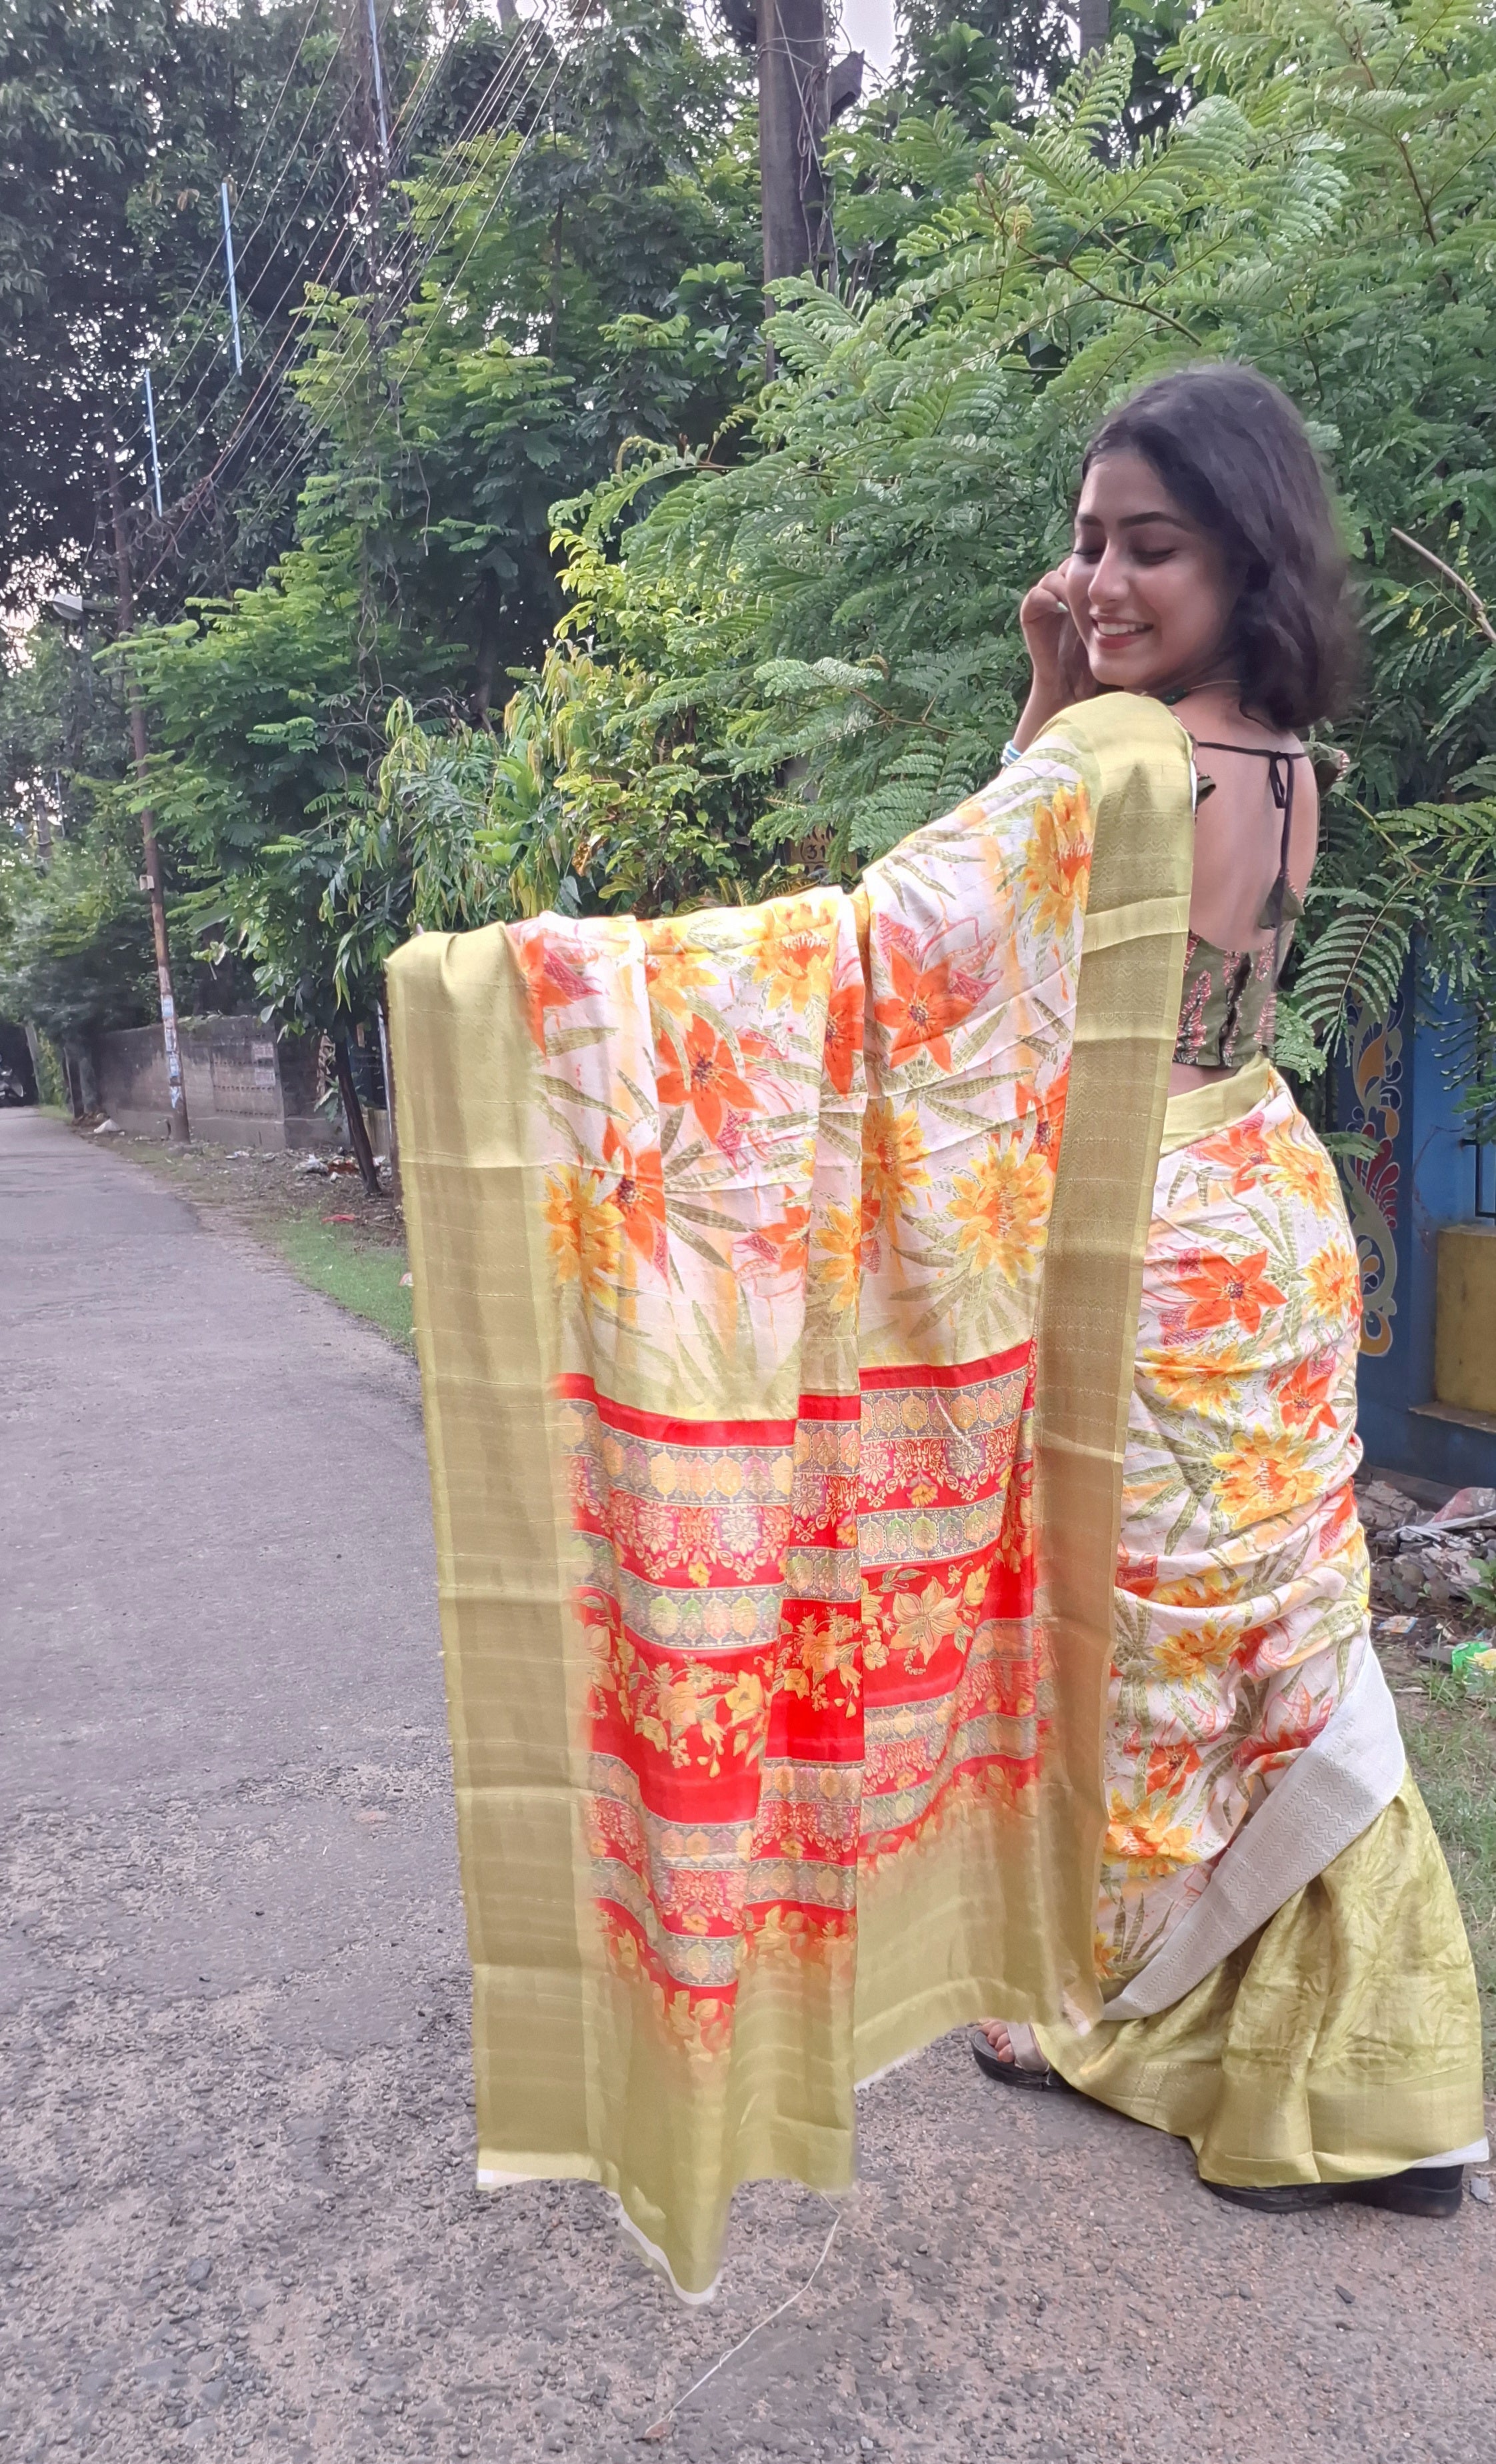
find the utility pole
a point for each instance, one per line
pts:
(792, 123)
(1096, 26)
(177, 1129)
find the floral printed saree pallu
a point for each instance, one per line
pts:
(776, 1275)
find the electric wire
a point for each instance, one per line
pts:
(308, 445)
(313, 14)
(276, 437)
(297, 273)
(264, 398)
(436, 240)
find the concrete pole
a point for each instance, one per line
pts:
(792, 108)
(177, 1129)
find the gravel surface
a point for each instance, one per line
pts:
(238, 2214)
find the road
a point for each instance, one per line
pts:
(237, 2210)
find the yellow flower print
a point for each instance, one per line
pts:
(1302, 1167)
(923, 1622)
(582, 1229)
(674, 970)
(791, 954)
(1262, 1475)
(1057, 867)
(1333, 1282)
(893, 1160)
(1150, 1837)
(1002, 1207)
(744, 1701)
(836, 1256)
(1178, 1657)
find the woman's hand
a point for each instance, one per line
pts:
(1061, 673)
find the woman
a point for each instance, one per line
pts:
(1316, 2060)
(776, 1280)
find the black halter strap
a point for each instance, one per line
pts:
(1280, 779)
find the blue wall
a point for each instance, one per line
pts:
(1421, 1177)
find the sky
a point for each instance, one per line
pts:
(867, 27)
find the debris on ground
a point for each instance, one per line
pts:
(1428, 1561)
(108, 1128)
(312, 1167)
(1474, 1664)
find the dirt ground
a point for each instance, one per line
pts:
(238, 2213)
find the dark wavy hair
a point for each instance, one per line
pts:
(1233, 452)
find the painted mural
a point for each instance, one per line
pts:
(1371, 1181)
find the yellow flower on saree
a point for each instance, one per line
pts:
(790, 954)
(836, 1256)
(584, 1229)
(1333, 1282)
(1057, 861)
(893, 1160)
(1264, 1474)
(1001, 1207)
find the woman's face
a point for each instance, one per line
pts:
(1148, 589)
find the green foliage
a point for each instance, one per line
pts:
(76, 950)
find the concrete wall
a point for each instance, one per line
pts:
(243, 1087)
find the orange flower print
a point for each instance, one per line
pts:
(1057, 867)
(1048, 1111)
(550, 979)
(1303, 1393)
(1302, 1167)
(1236, 1155)
(790, 954)
(1334, 1281)
(1223, 1291)
(1002, 1207)
(707, 1077)
(836, 1256)
(1262, 1475)
(582, 1226)
(638, 1196)
(844, 1022)
(923, 1006)
(893, 1162)
(773, 1255)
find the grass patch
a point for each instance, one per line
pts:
(360, 1276)
(1451, 1741)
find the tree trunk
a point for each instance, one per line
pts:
(1096, 22)
(352, 1115)
(387, 1067)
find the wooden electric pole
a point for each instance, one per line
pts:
(177, 1129)
(792, 123)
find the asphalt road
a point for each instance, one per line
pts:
(238, 2213)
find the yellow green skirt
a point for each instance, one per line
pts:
(1341, 2042)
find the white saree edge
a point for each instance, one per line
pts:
(656, 2258)
(493, 2177)
(1477, 2153)
(1334, 1790)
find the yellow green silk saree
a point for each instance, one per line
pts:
(776, 1275)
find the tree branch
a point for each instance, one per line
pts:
(1476, 603)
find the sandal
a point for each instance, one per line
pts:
(1012, 2073)
(1422, 2191)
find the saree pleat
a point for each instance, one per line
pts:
(1340, 2039)
(776, 1276)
